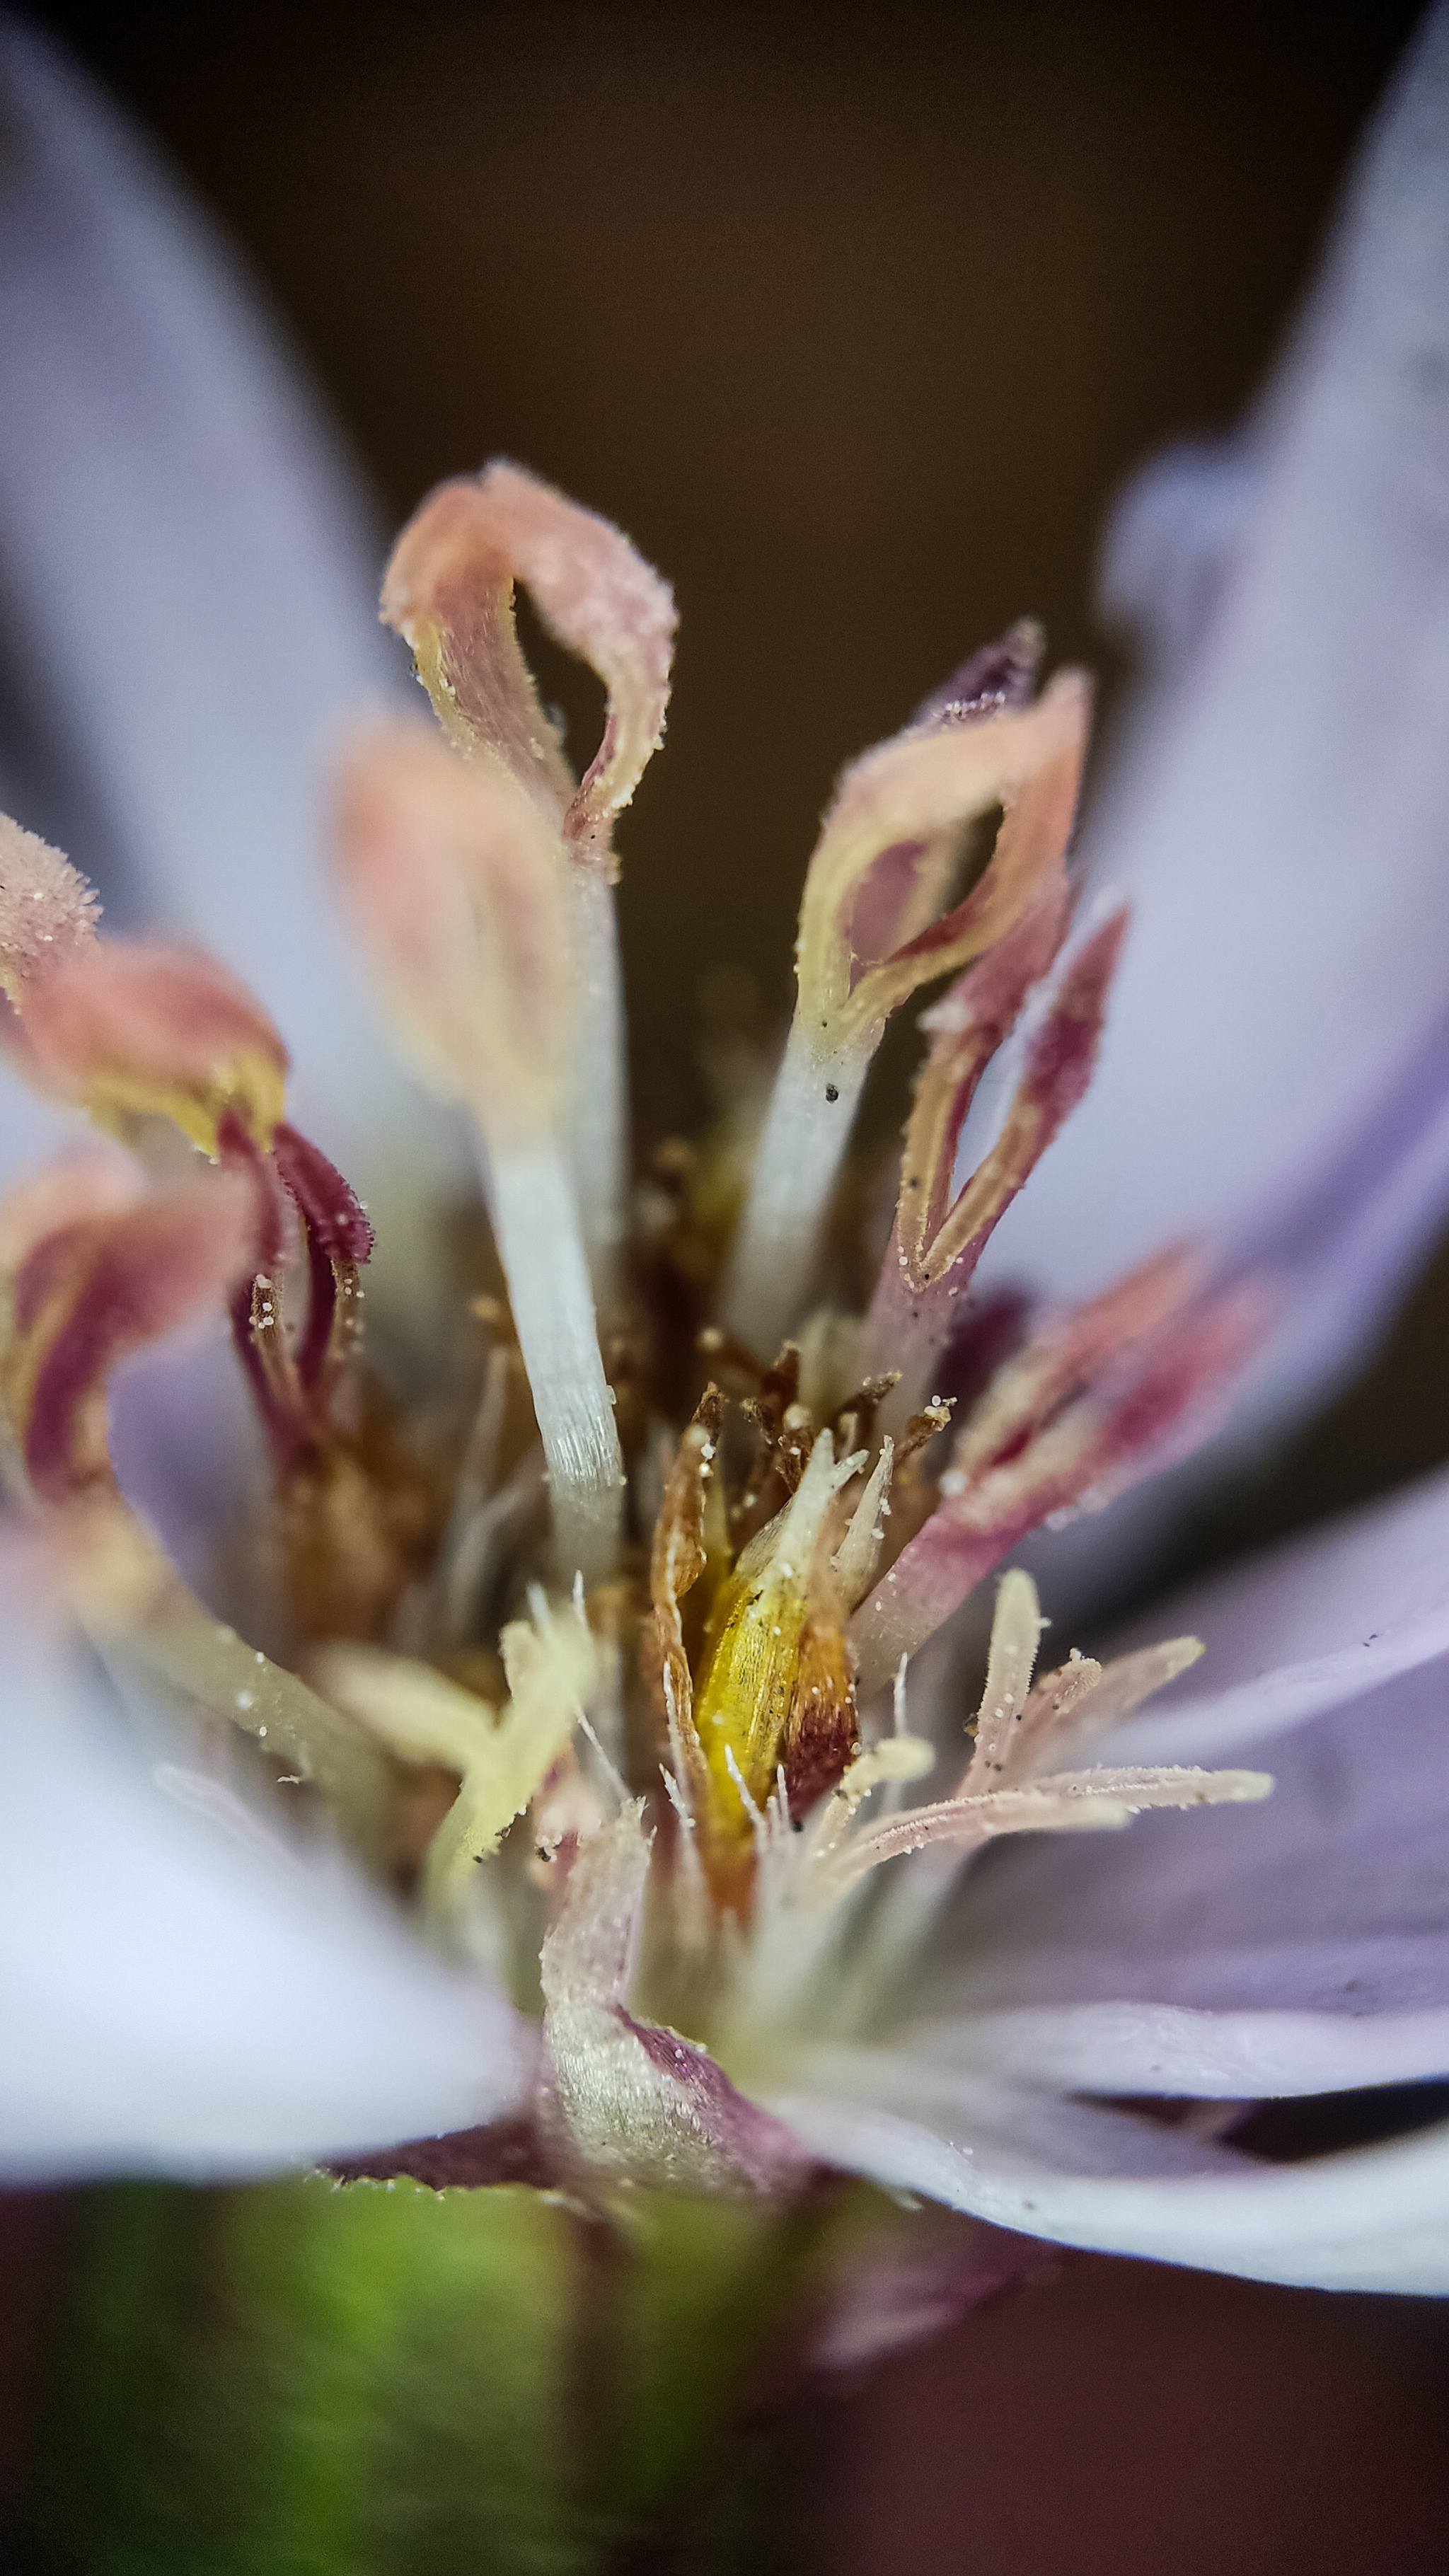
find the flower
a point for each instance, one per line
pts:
(683, 1965)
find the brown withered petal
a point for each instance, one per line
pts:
(822, 1736)
(449, 591)
(100, 1287)
(151, 1028)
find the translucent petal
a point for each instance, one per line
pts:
(175, 1998)
(1374, 2220)
(1279, 813)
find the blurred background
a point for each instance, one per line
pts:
(855, 319)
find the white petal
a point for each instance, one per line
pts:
(187, 555)
(1162, 2048)
(1281, 812)
(1374, 2220)
(1299, 1629)
(184, 1999)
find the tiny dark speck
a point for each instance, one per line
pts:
(830, 1092)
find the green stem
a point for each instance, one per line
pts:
(382, 2380)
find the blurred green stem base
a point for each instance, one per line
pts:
(297, 2379)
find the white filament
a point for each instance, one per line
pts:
(539, 1242)
(812, 1111)
(598, 1108)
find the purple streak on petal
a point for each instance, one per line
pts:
(918, 2281)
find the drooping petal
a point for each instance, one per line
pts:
(872, 931)
(1278, 815)
(461, 893)
(449, 590)
(1374, 2220)
(98, 1288)
(145, 1028)
(178, 1997)
(1144, 2049)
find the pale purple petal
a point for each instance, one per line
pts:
(1279, 814)
(1122, 2048)
(1332, 1896)
(1374, 2220)
(192, 571)
(1299, 1629)
(184, 1991)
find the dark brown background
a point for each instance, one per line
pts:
(854, 319)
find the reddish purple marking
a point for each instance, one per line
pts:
(987, 1336)
(762, 2151)
(337, 1232)
(999, 676)
(466, 2160)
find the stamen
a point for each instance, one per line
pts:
(938, 1239)
(678, 1558)
(1015, 1633)
(449, 591)
(1093, 1403)
(747, 1688)
(856, 1557)
(461, 895)
(47, 910)
(1069, 1802)
(552, 1669)
(871, 933)
(1083, 1699)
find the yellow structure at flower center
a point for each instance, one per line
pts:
(751, 1673)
